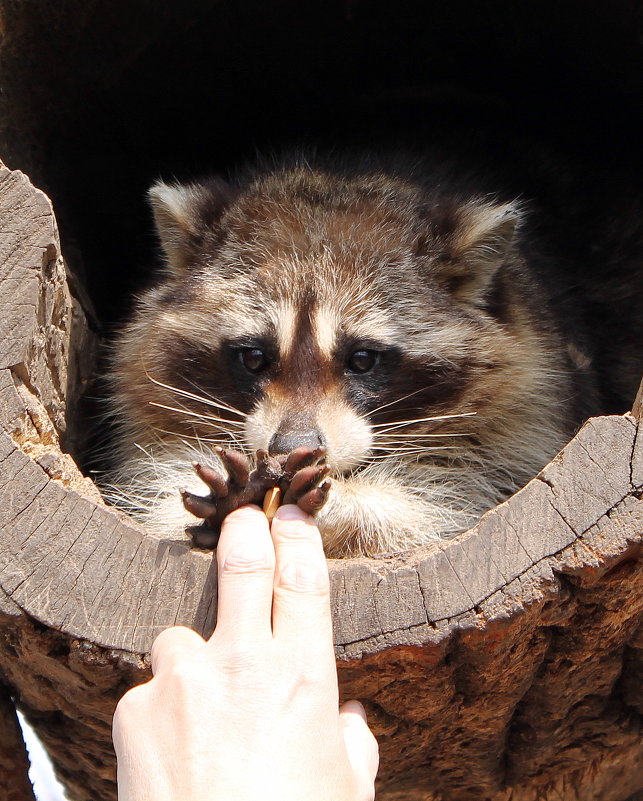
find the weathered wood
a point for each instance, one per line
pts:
(504, 664)
(637, 406)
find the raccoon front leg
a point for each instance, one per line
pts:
(368, 516)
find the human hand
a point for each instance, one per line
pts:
(252, 713)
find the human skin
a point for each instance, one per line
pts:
(253, 712)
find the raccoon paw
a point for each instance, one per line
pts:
(299, 475)
(243, 485)
(299, 459)
(309, 488)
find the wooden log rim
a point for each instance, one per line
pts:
(506, 663)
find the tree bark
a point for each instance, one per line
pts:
(506, 663)
(14, 762)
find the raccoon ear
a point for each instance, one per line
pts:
(477, 247)
(185, 214)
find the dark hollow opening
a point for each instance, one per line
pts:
(99, 100)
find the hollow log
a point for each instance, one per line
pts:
(506, 663)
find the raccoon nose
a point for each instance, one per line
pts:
(286, 441)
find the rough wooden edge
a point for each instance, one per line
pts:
(416, 598)
(38, 369)
(637, 406)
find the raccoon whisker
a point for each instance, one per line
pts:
(409, 447)
(401, 423)
(386, 449)
(196, 451)
(382, 435)
(378, 457)
(216, 426)
(215, 422)
(206, 452)
(196, 438)
(393, 402)
(218, 441)
(413, 446)
(416, 454)
(206, 418)
(399, 450)
(235, 440)
(199, 398)
(417, 449)
(212, 400)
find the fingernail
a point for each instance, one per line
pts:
(291, 512)
(357, 707)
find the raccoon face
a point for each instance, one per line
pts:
(303, 310)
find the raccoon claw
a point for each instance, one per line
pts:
(309, 488)
(207, 534)
(237, 465)
(313, 500)
(300, 458)
(198, 506)
(215, 481)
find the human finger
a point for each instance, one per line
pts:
(245, 569)
(301, 605)
(171, 645)
(361, 747)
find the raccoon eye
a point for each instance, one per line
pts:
(363, 360)
(253, 359)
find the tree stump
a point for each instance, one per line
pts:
(504, 664)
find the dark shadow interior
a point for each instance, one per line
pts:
(104, 98)
(99, 100)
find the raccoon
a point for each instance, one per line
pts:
(404, 330)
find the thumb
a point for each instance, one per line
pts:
(361, 747)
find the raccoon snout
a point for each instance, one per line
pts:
(286, 439)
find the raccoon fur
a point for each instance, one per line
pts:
(410, 323)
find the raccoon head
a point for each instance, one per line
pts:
(309, 309)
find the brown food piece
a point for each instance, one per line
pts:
(271, 502)
(297, 476)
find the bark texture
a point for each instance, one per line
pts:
(504, 664)
(14, 763)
